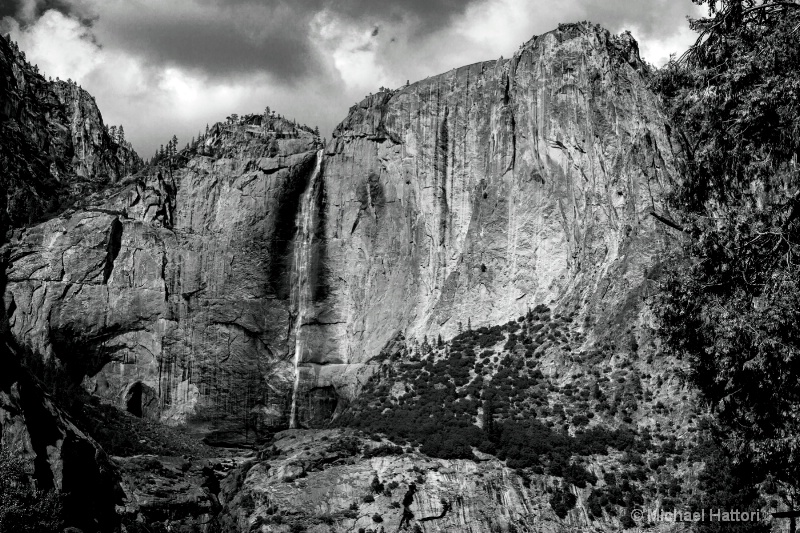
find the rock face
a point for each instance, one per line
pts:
(55, 146)
(63, 457)
(180, 492)
(173, 292)
(248, 282)
(477, 194)
(54, 149)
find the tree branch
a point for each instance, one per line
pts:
(668, 222)
(724, 16)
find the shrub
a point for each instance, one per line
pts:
(561, 502)
(579, 476)
(376, 485)
(24, 509)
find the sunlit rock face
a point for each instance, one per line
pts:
(248, 283)
(474, 195)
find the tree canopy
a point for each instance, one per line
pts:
(730, 299)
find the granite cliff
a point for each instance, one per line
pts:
(480, 193)
(54, 149)
(194, 288)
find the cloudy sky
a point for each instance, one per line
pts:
(169, 67)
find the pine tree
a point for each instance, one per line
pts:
(488, 419)
(729, 302)
(120, 134)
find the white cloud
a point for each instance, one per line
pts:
(501, 26)
(61, 46)
(352, 48)
(656, 51)
(498, 27)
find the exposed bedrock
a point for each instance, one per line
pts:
(471, 196)
(55, 148)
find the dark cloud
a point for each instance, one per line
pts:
(216, 43)
(242, 36)
(233, 37)
(28, 11)
(429, 14)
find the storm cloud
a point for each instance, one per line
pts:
(171, 67)
(27, 12)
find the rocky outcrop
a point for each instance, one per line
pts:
(247, 283)
(55, 147)
(180, 493)
(334, 480)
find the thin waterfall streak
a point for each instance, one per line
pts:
(300, 293)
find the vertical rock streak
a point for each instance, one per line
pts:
(301, 290)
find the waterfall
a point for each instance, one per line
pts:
(300, 298)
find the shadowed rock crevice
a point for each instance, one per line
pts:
(141, 401)
(321, 274)
(408, 500)
(112, 248)
(318, 406)
(285, 231)
(445, 509)
(441, 166)
(63, 457)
